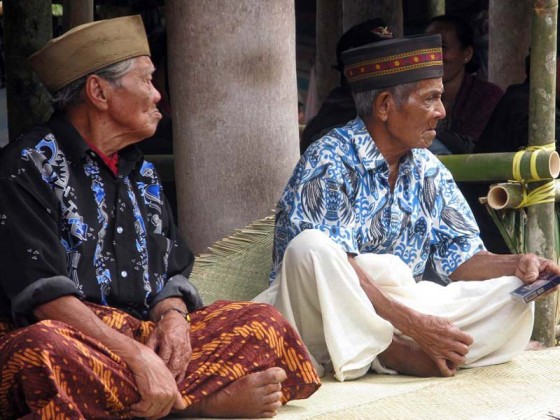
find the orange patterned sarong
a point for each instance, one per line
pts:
(50, 370)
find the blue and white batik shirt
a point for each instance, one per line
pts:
(341, 187)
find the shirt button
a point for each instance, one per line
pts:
(120, 230)
(124, 274)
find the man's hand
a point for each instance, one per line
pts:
(155, 382)
(486, 265)
(170, 339)
(439, 338)
(442, 341)
(531, 266)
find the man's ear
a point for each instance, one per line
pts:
(382, 105)
(97, 91)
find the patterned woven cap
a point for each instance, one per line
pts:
(88, 48)
(393, 62)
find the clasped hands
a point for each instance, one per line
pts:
(163, 363)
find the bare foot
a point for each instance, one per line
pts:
(256, 395)
(406, 357)
(535, 345)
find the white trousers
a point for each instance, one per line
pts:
(319, 293)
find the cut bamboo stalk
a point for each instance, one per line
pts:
(509, 195)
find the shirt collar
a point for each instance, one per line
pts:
(68, 137)
(365, 147)
(76, 147)
(369, 154)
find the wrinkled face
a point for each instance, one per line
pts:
(455, 57)
(133, 103)
(413, 123)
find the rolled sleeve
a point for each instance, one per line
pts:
(39, 292)
(179, 286)
(32, 259)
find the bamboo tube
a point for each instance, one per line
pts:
(505, 196)
(541, 218)
(499, 166)
(509, 195)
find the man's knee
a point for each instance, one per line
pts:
(33, 335)
(309, 243)
(262, 311)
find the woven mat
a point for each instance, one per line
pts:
(237, 267)
(526, 388)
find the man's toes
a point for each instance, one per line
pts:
(271, 388)
(276, 374)
(272, 398)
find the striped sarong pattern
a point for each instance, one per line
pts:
(50, 370)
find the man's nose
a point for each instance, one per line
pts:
(440, 110)
(157, 95)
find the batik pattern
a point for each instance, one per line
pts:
(117, 242)
(141, 245)
(341, 187)
(101, 256)
(54, 371)
(53, 165)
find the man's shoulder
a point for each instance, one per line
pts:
(426, 161)
(11, 153)
(339, 139)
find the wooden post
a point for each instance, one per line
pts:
(234, 107)
(541, 221)
(27, 27)
(328, 31)
(76, 12)
(509, 26)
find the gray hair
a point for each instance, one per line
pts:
(364, 100)
(71, 94)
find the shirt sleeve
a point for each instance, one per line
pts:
(32, 258)
(317, 197)
(455, 234)
(179, 266)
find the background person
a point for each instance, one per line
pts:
(468, 99)
(338, 108)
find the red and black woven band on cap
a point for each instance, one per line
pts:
(393, 62)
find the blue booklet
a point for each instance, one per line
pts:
(529, 292)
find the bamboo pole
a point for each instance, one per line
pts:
(76, 12)
(500, 166)
(541, 220)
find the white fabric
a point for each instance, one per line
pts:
(319, 293)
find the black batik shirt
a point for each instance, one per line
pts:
(68, 226)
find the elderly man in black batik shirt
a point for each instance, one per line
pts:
(94, 288)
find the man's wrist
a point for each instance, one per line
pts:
(184, 313)
(171, 304)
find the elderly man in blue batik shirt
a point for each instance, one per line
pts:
(365, 210)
